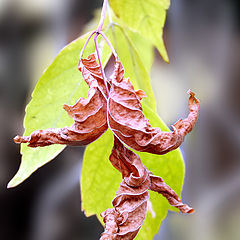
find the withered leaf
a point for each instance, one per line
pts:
(121, 111)
(125, 116)
(128, 123)
(89, 114)
(130, 203)
(158, 185)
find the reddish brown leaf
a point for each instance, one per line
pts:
(130, 204)
(128, 123)
(122, 113)
(89, 114)
(128, 163)
(158, 185)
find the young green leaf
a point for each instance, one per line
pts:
(99, 180)
(146, 17)
(133, 62)
(144, 49)
(60, 84)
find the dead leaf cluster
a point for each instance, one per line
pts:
(121, 112)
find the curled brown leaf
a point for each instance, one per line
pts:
(128, 123)
(130, 204)
(121, 111)
(158, 185)
(89, 114)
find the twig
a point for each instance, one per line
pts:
(97, 32)
(99, 29)
(100, 63)
(85, 45)
(103, 14)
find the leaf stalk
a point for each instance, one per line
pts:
(100, 63)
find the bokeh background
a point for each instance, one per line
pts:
(203, 41)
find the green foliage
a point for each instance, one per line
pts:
(134, 64)
(142, 48)
(100, 180)
(146, 17)
(61, 83)
(171, 168)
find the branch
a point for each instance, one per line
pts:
(103, 14)
(100, 63)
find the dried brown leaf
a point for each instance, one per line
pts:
(130, 204)
(128, 123)
(158, 185)
(121, 111)
(89, 114)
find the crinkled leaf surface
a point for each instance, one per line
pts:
(145, 16)
(89, 114)
(171, 168)
(128, 123)
(60, 84)
(100, 180)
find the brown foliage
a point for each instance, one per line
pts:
(128, 123)
(130, 204)
(121, 111)
(89, 114)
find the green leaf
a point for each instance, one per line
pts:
(133, 61)
(61, 83)
(172, 169)
(100, 180)
(146, 17)
(143, 48)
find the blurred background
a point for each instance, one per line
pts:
(203, 42)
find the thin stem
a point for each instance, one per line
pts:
(109, 14)
(85, 45)
(103, 14)
(97, 32)
(109, 44)
(100, 63)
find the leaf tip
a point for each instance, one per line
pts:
(17, 139)
(12, 184)
(191, 210)
(17, 179)
(166, 59)
(193, 98)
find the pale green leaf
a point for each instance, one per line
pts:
(137, 41)
(145, 16)
(171, 168)
(100, 180)
(61, 83)
(133, 62)
(143, 48)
